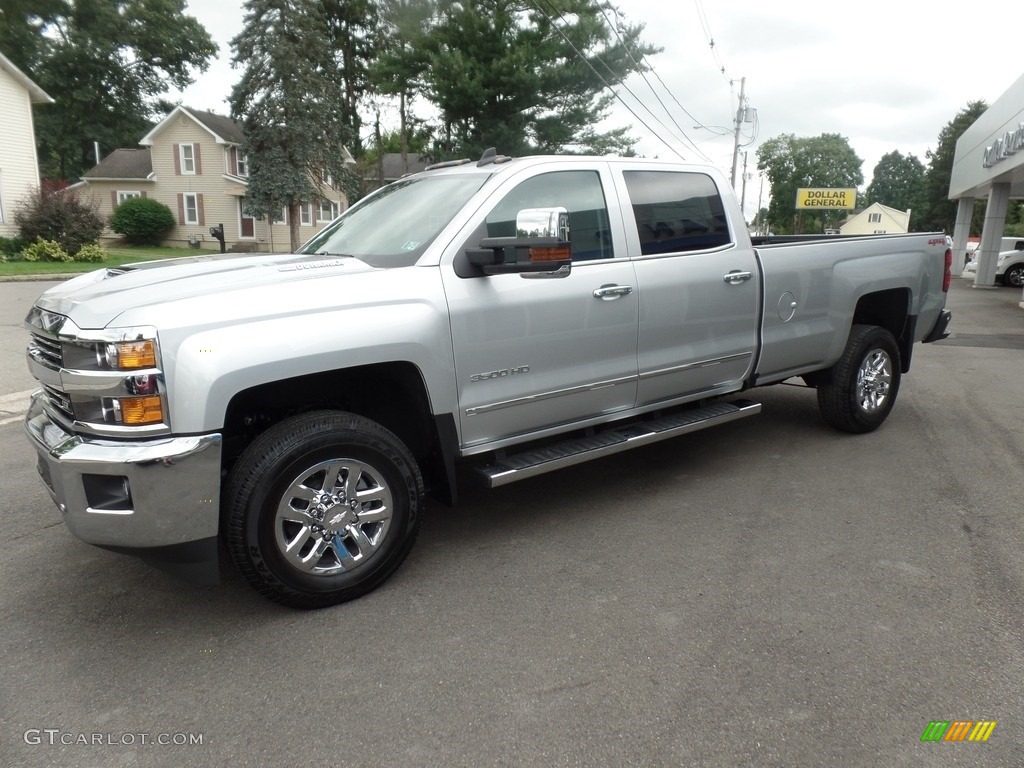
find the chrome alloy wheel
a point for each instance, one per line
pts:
(874, 379)
(333, 516)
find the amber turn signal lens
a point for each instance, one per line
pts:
(558, 253)
(136, 354)
(141, 410)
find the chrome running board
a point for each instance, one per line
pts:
(506, 469)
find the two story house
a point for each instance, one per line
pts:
(19, 164)
(192, 161)
(877, 219)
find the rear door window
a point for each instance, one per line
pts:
(676, 211)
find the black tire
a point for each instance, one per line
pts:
(322, 508)
(863, 385)
(1014, 276)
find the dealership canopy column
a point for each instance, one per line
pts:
(989, 163)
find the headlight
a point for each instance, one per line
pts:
(106, 382)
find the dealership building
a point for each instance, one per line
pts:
(989, 165)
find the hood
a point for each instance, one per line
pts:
(95, 300)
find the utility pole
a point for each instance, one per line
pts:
(743, 194)
(739, 121)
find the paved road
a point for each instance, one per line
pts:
(770, 593)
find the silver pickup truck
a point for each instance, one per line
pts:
(513, 316)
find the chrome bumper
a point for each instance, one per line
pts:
(158, 499)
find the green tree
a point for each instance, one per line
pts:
(898, 182)
(292, 109)
(940, 211)
(790, 163)
(106, 63)
(401, 64)
(355, 37)
(525, 76)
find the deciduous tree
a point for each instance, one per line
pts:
(790, 163)
(940, 213)
(106, 63)
(898, 182)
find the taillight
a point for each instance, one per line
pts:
(947, 277)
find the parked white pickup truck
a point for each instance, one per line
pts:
(514, 315)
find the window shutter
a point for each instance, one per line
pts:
(144, 193)
(199, 210)
(177, 160)
(198, 160)
(234, 161)
(113, 199)
(181, 208)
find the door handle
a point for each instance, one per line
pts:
(736, 277)
(609, 292)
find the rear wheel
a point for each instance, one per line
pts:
(322, 508)
(862, 386)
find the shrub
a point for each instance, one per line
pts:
(61, 217)
(12, 246)
(142, 221)
(91, 252)
(46, 250)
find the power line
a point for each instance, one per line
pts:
(607, 85)
(641, 69)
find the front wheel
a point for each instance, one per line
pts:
(862, 386)
(1014, 276)
(322, 508)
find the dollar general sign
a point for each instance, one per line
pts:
(826, 198)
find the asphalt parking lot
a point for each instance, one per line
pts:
(768, 593)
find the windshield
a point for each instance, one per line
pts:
(393, 227)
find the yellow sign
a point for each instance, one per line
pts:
(826, 198)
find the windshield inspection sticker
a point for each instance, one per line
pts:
(411, 245)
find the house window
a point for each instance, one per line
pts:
(281, 216)
(243, 165)
(326, 211)
(187, 154)
(306, 214)
(191, 208)
(122, 196)
(874, 218)
(327, 178)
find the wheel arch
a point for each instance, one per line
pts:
(889, 309)
(392, 394)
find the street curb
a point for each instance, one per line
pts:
(38, 278)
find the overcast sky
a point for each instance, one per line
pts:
(886, 75)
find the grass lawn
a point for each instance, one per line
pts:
(118, 255)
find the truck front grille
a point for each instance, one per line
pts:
(47, 349)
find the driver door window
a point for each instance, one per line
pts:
(579, 192)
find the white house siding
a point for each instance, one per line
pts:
(891, 221)
(19, 168)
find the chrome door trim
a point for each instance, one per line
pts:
(548, 395)
(694, 366)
